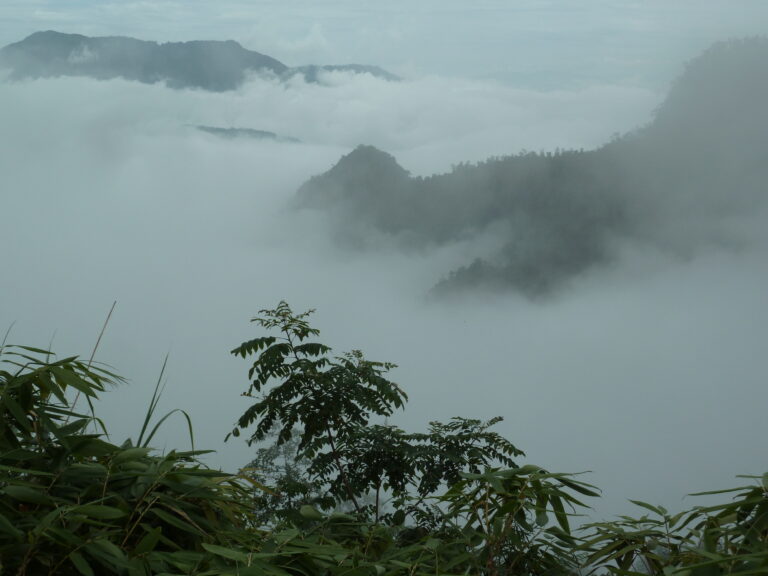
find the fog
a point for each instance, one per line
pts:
(649, 372)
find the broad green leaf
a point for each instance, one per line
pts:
(654, 509)
(235, 555)
(131, 454)
(261, 568)
(562, 517)
(310, 512)
(17, 470)
(174, 521)
(398, 518)
(148, 542)
(110, 548)
(106, 552)
(62, 536)
(9, 529)
(28, 495)
(99, 512)
(81, 564)
(17, 412)
(69, 378)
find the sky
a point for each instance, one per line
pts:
(649, 374)
(552, 43)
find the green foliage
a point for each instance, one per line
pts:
(426, 488)
(146, 435)
(457, 503)
(730, 538)
(327, 398)
(510, 513)
(284, 471)
(331, 403)
(412, 468)
(73, 503)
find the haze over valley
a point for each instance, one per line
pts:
(569, 235)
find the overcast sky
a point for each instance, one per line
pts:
(526, 42)
(650, 374)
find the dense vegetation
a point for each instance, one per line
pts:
(559, 214)
(335, 490)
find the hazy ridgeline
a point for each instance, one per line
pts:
(210, 65)
(672, 183)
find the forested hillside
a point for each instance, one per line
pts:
(558, 214)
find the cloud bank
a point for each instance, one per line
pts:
(641, 373)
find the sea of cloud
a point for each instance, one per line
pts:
(527, 42)
(650, 373)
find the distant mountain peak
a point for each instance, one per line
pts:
(366, 164)
(372, 156)
(554, 217)
(358, 178)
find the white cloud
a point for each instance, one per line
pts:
(648, 374)
(111, 195)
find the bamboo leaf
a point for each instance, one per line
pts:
(69, 378)
(81, 564)
(7, 527)
(654, 509)
(228, 553)
(174, 521)
(27, 494)
(16, 411)
(149, 541)
(99, 512)
(131, 454)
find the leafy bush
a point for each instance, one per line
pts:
(73, 503)
(730, 538)
(451, 501)
(445, 487)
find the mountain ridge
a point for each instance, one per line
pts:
(215, 65)
(670, 185)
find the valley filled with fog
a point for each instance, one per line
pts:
(648, 371)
